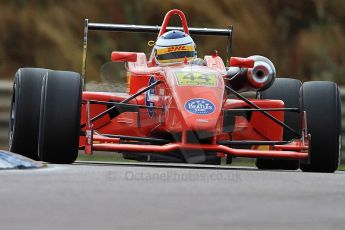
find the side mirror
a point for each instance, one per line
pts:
(117, 56)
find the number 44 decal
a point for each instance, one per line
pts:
(196, 79)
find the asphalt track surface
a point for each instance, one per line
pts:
(144, 196)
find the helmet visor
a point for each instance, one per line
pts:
(175, 54)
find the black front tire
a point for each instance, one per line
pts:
(287, 90)
(25, 112)
(59, 126)
(322, 103)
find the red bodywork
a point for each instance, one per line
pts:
(181, 105)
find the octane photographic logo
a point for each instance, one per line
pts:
(199, 106)
(174, 176)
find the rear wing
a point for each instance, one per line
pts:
(154, 29)
(150, 29)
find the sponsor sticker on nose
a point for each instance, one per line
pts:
(199, 106)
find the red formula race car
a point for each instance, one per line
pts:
(179, 108)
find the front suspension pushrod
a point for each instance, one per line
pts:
(263, 112)
(124, 101)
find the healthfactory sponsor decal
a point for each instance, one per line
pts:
(199, 106)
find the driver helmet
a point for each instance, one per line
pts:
(173, 47)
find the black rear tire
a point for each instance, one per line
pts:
(322, 103)
(287, 90)
(59, 125)
(25, 112)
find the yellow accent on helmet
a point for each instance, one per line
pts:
(170, 49)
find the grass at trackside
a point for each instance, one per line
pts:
(118, 158)
(102, 157)
(115, 157)
(342, 167)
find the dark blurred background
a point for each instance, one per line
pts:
(305, 39)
